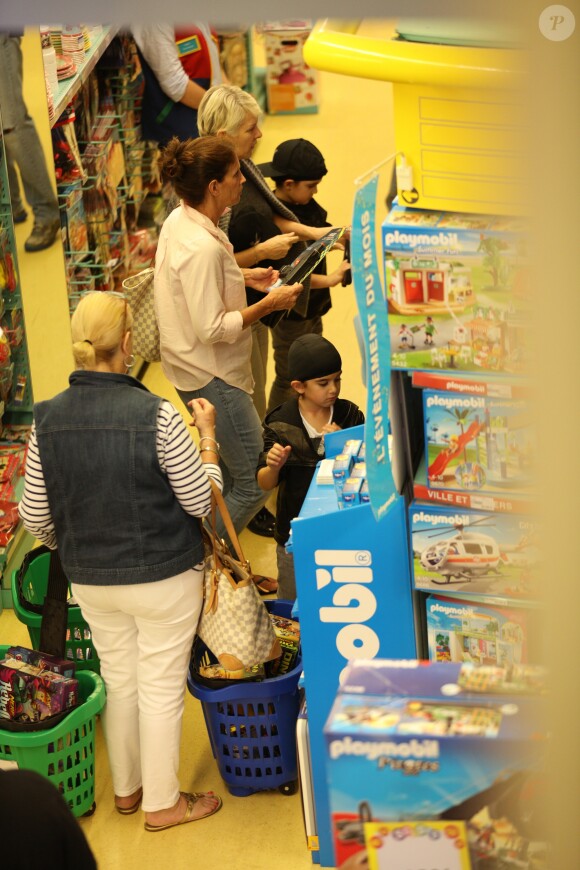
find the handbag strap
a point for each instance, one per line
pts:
(219, 502)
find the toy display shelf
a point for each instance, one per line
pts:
(69, 87)
(354, 596)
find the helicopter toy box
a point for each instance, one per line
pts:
(291, 86)
(461, 630)
(457, 290)
(478, 443)
(428, 769)
(474, 552)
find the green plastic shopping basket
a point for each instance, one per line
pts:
(29, 583)
(64, 754)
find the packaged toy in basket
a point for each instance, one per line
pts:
(64, 753)
(288, 633)
(30, 695)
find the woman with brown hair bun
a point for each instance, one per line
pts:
(203, 316)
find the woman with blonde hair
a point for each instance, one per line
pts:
(115, 481)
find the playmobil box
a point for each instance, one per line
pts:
(291, 85)
(424, 773)
(496, 502)
(457, 290)
(463, 630)
(479, 443)
(474, 552)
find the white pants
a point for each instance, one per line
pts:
(143, 635)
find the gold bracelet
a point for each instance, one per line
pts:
(209, 449)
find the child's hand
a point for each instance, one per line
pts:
(277, 456)
(336, 277)
(330, 427)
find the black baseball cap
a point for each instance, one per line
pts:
(312, 356)
(295, 158)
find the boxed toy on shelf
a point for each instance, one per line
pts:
(457, 290)
(462, 630)
(478, 443)
(72, 217)
(291, 86)
(428, 766)
(475, 552)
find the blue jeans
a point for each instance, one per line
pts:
(259, 366)
(23, 147)
(239, 432)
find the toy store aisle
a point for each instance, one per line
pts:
(263, 831)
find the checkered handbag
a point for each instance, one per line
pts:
(145, 331)
(234, 623)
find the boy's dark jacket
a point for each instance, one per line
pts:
(284, 426)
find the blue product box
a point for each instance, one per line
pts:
(428, 762)
(466, 631)
(352, 446)
(364, 492)
(340, 471)
(359, 469)
(474, 552)
(479, 443)
(457, 290)
(350, 495)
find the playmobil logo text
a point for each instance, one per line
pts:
(424, 240)
(455, 402)
(438, 519)
(465, 387)
(451, 611)
(384, 749)
(353, 600)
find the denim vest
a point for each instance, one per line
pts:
(117, 520)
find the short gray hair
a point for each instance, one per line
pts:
(224, 107)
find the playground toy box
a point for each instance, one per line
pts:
(430, 766)
(457, 290)
(478, 443)
(291, 85)
(474, 552)
(465, 631)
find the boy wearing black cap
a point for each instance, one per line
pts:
(297, 168)
(294, 437)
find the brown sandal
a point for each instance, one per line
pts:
(265, 585)
(192, 798)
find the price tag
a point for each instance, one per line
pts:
(417, 846)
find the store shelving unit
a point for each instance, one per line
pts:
(15, 390)
(69, 87)
(100, 203)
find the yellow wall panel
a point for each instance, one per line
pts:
(464, 147)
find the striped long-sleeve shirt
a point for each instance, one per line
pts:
(178, 457)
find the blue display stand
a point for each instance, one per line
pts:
(354, 601)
